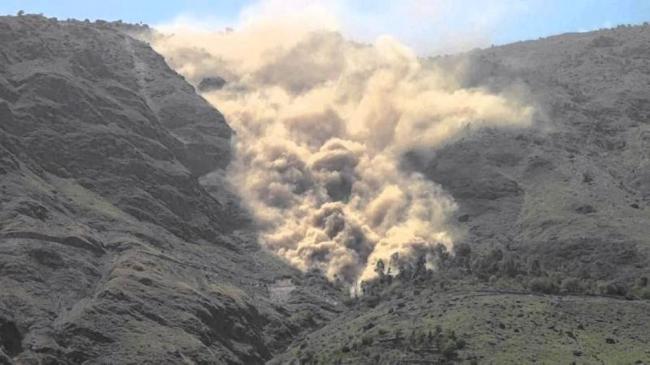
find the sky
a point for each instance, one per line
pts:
(429, 26)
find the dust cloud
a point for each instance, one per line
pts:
(322, 126)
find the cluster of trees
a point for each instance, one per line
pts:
(497, 267)
(432, 341)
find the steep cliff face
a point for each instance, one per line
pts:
(110, 249)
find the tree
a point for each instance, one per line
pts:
(449, 351)
(462, 249)
(452, 335)
(510, 266)
(535, 268)
(389, 277)
(398, 334)
(614, 288)
(487, 265)
(394, 261)
(462, 254)
(412, 337)
(420, 266)
(364, 287)
(367, 340)
(379, 269)
(442, 253)
(403, 272)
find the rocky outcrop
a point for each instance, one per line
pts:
(211, 83)
(111, 251)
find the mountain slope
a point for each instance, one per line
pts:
(120, 243)
(573, 192)
(554, 219)
(110, 249)
(424, 325)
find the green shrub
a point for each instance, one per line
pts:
(493, 279)
(640, 293)
(460, 344)
(511, 266)
(371, 300)
(645, 293)
(449, 351)
(462, 255)
(487, 265)
(438, 330)
(543, 285)
(571, 285)
(613, 288)
(366, 341)
(462, 250)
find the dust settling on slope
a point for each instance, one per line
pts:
(322, 124)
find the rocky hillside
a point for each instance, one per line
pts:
(110, 249)
(121, 244)
(553, 265)
(574, 192)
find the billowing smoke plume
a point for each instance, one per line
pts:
(322, 125)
